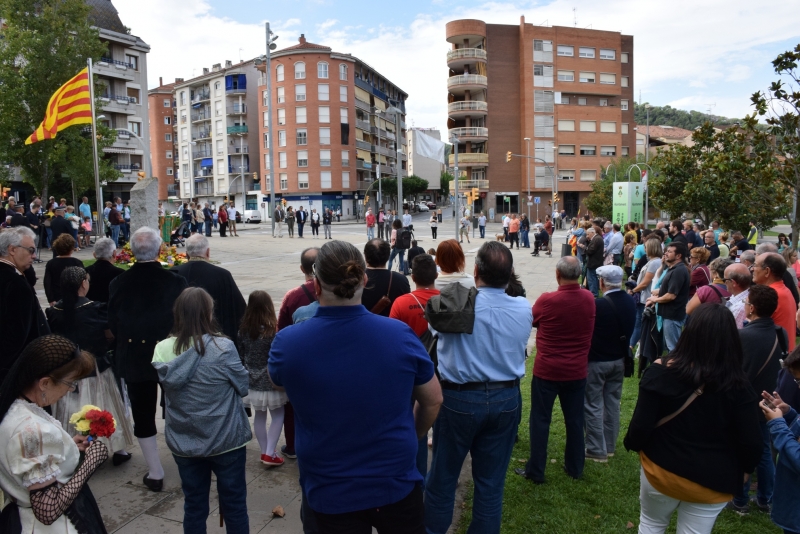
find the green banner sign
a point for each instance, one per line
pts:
(628, 202)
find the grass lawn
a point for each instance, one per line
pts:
(770, 233)
(605, 500)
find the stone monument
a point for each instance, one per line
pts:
(144, 204)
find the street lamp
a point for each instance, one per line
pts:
(392, 110)
(528, 172)
(647, 144)
(271, 38)
(454, 140)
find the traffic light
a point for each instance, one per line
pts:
(508, 156)
(549, 203)
(283, 201)
(366, 200)
(475, 193)
(5, 192)
(255, 177)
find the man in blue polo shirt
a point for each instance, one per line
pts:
(359, 413)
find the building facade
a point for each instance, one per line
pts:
(426, 168)
(335, 119)
(558, 94)
(217, 131)
(163, 115)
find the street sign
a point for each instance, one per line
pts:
(537, 200)
(506, 199)
(530, 198)
(530, 203)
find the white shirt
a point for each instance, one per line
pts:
(231, 214)
(482, 220)
(406, 219)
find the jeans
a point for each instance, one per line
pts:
(398, 252)
(637, 328)
(300, 226)
(483, 423)
(208, 228)
(672, 331)
(524, 238)
(657, 509)
(126, 230)
(115, 234)
(402, 517)
(601, 406)
(765, 471)
(326, 229)
(593, 284)
(483, 231)
(370, 232)
(570, 394)
(231, 486)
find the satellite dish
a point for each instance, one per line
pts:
(273, 46)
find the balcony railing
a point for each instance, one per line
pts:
(116, 62)
(204, 174)
(465, 159)
(198, 154)
(385, 151)
(120, 99)
(469, 132)
(362, 185)
(466, 79)
(202, 134)
(241, 129)
(237, 109)
(463, 185)
(201, 96)
(236, 91)
(364, 125)
(467, 105)
(363, 145)
(363, 105)
(203, 189)
(123, 134)
(172, 190)
(466, 53)
(202, 116)
(239, 150)
(364, 165)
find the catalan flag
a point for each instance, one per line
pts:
(71, 104)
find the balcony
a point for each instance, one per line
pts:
(237, 109)
(363, 145)
(390, 135)
(463, 185)
(471, 133)
(116, 62)
(201, 116)
(238, 129)
(203, 174)
(204, 189)
(457, 59)
(236, 91)
(466, 82)
(363, 165)
(363, 185)
(380, 132)
(363, 105)
(172, 190)
(126, 167)
(239, 150)
(474, 108)
(123, 134)
(363, 125)
(200, 154)
(202, 134)
(470, 159)
(384, 150)
(201, 96)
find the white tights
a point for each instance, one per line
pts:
(268, 438)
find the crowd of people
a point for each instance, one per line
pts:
(711, 408)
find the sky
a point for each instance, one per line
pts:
(703, 55)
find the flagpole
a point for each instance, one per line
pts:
(99, 192)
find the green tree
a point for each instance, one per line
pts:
(43, 45)
(445, 178)
(669, 116)
(414, 185)
(781, 104)
(599, 201)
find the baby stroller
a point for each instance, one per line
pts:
(179, 235)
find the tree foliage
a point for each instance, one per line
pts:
(669, 116)
(445, 178)
(43, 45)
(599, 201)
(414, 185)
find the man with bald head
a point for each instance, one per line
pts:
(768, 270)
(788, 281)
(738, 281)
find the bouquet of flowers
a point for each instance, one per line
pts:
(93, 422)
(168, 256)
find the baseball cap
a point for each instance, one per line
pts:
(610, 273)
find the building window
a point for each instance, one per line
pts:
(168, 120)
(217, 89)
(343, 115)
(605, 53)
(345, 158)
(582, 101)
(624, 151)
(608, 79)
(282, 116)
(324, 91)
(282, 161)
(586, 77)
(608, 127)
(624, 82)
(586, 52)
(325, 180)
(169, 154)
(300, 71)
(544, 150)
(588, 150)
(300, 115)
(183, 117)
(603, 102)
(218, 126)
(564, 99)
(185, 170)
(608, 151)
(346, 180)
(623, 57)
(167, 103)
(169, 172)
(132, 61)
(342, 93)
(284, 179)
(565, 50)
(266, 140)
(279, 72)
(187, 188)
(624, 129)
(342, 71)
(266, 119)
(135, 128)
(566, 126)
(300, 93)
(322, 70)
(302, 158)
(324, 158)
(183, 98)
(543, 50)
(264, 99)
(623, 105)
(281, 95)
(543, 125)
(220, 166)
(543, 76)
(302, 136)
(302, 180)
(221, 147)
(588, 175)
(566, 175)
(324, 136)
(324, 114)
(640, 141)
(543, 101)
(566, 76)
(566, 150)
(167, 137)
(281, 137)
(588, 126)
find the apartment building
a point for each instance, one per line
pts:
(163, 114)
(217, 132)
(426, 168)
(561, 95)
(335, 119)
(121, 85)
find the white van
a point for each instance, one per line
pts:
(252, 216)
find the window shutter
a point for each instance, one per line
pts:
(543, 101)
(543, 126)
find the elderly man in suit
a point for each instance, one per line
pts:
(140, 315)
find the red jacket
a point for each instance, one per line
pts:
(222, 216)
(370, 219)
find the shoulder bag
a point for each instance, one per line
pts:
(696, 393)
(628, 358)
(385, 300)
(778, 338)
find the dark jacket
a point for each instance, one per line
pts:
(609, 326)
(85, 326)
(301, 216)
(594, 252)
(52, 276)
(21, 317)
(378, 285)
(713, 442)
(58, 226)
(101, 273)
(140, 315)
(229, 304)
(758, 339)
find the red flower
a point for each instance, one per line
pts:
(101, 423)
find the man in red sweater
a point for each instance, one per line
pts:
(564, 320)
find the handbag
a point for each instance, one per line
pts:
(628, 358)
(385, 300)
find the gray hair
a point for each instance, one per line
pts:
(609, 285)
(196, 246)
(146, 244)
(591, 230)
(12, 237)
(748, 256)
(569, 268)
(104, 249)
(763, 248)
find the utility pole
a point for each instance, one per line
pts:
(268, 73)
(454, 140)
(528, 172)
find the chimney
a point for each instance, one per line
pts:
(228, 63)
(205, 70)
(160, 81)
(302, 38)
(178, 80)
(216, 67)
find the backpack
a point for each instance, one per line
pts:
(404, 240)
(452, 311)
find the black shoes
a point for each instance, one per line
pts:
(119, 459)
(154, 485)
(287, 453)
(521, 472)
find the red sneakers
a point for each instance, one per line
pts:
(271, 461)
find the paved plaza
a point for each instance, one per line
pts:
(259, 261)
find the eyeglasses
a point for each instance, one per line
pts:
(31, 250)
(72, 385)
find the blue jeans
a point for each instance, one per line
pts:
(672, 331)
(370, 232)
(571, 395)
(126, 230)
(637, 328)
(231, 486)
(398, 252)
(524, 238)
(208, 228)
(591, 279)
(483, 231)
(765, 471)
(483, 423)
(115, 234)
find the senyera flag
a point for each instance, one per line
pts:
(71, 104)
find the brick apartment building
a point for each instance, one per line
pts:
(569, 91)
(333, 124)
(163, 115)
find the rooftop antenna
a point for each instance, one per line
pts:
(240, 54)
(575, 16)
(711, 107)
(640, 97)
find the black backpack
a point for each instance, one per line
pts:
(453, 310)
(404, 239)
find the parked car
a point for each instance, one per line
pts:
(252, 216)
(431, 205)
(421, 206)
